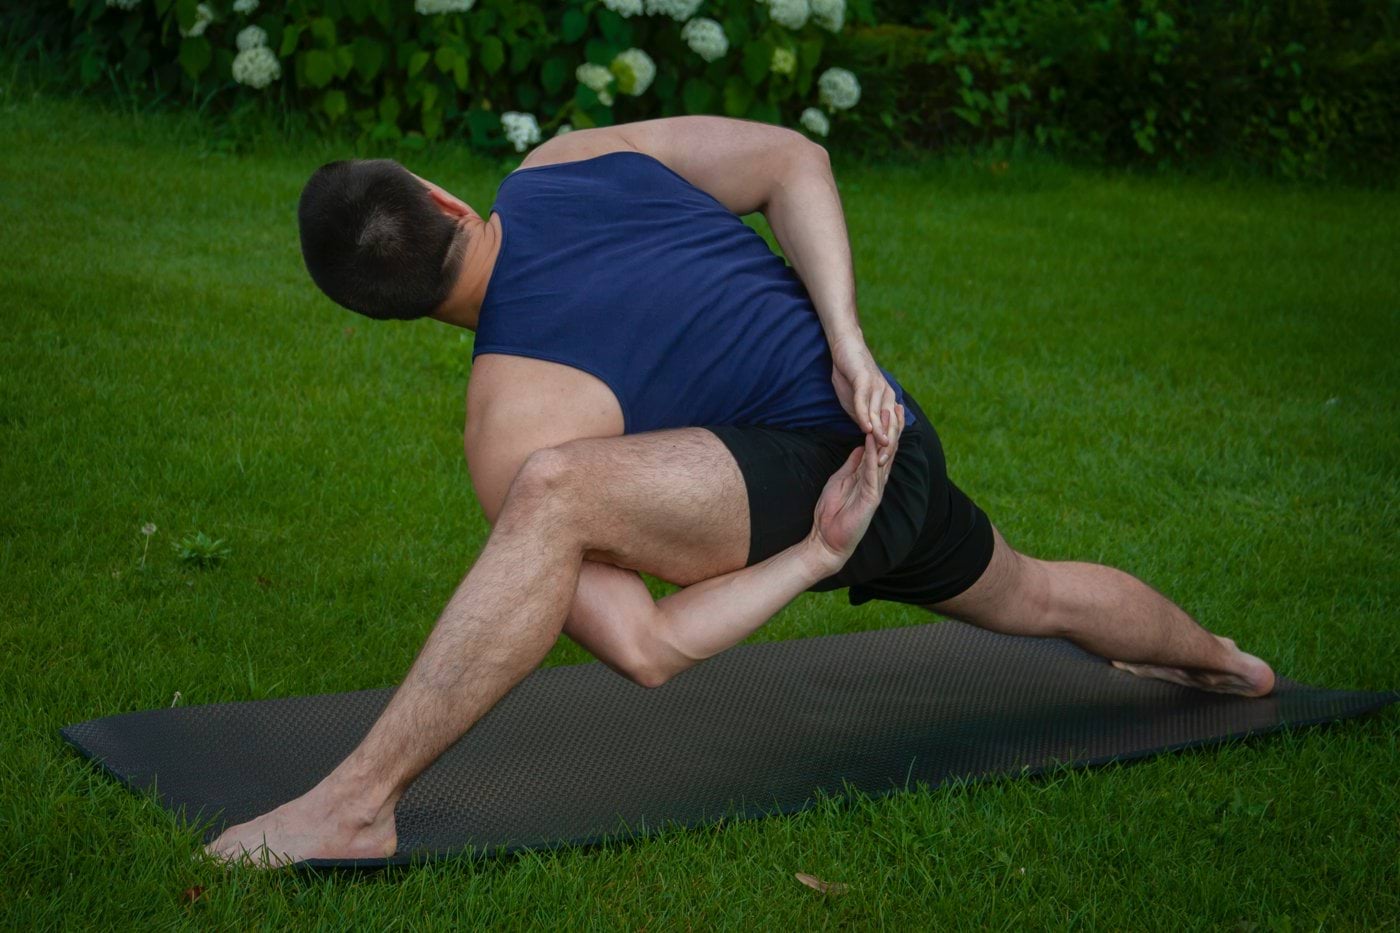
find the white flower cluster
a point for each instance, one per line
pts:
(784, 61)
(203, 16)
(596, 78)
(838, 89)
(124, 4)
(678, 10)
(706, 38)
(256, 67)
(624, 8)
(829, 14)
(251, 37)
(634, 71)
(790, 13)
(433, 7)
(245, 6)
(522, 129)
(815, 122)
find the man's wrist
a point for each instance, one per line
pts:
(816, 559)
(846, 330)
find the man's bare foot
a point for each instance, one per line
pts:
(1242, 673)
(315, 825)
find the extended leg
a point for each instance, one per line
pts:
(1108, 612)
(671, 503)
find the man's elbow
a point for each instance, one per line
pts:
(807, 155)
(803, 160)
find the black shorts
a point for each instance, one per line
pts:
(927, 542)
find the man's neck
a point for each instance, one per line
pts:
(463, 304)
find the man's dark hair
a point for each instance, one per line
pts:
(374, 241)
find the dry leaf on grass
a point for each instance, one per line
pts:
(826, 887)
(193, 894)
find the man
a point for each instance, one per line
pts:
(654, 390)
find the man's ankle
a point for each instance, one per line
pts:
(357, 801)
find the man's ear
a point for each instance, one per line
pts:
(448, 203)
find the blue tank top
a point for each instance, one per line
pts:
(618, 266)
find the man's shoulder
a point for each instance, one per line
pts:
(577, 147)
(554, 401)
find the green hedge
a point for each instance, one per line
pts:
(1303, 87)
(415, 72)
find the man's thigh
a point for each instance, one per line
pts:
(668, 503)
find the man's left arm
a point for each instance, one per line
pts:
(805, 213)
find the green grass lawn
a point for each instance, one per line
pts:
(1194, 380)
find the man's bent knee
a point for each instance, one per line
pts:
(541, 492)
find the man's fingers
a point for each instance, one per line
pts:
(859, 391)
(877, 395)
(871, 468)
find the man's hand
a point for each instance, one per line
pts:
(847, 505)
(866, 395)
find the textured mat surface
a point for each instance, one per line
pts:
(578, 754)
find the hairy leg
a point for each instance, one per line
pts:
(671, 503)
(1108, 612)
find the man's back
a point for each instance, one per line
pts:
(617, 266)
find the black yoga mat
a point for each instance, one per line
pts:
(575, 755)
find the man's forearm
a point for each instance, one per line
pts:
(805, 214)
(713, 615)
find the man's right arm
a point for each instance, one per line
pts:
(613, 615)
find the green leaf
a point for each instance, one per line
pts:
(765, 112)
(185, 13)
(573, 25)
(358, 10)
(553, 74)
(737, 96)
(697, 95)
(614, 28)
(344, 60)
(319, 67)
(195, 55)
(369, 57)
(445, 58)
(481, 124)
(389, 109)
(758, 56)
(482, 23)
(521, 55)
(971, 116)
(493, 54)
(323, 28)
(432, 123)
(417, 62)
(290, 35)
(599, 52)
(335, 104)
